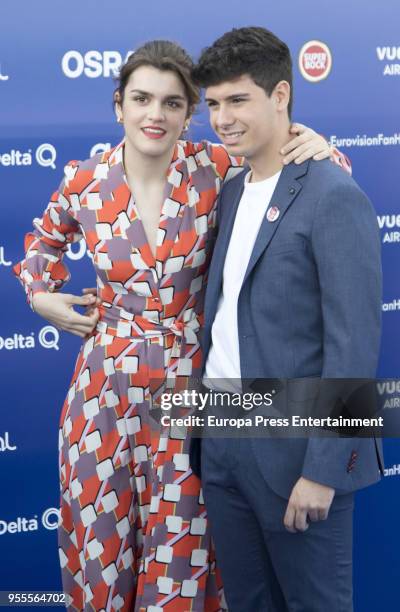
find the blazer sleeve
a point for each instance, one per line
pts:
(43, 269)
(346, 244)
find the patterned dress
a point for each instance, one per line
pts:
(134, 532)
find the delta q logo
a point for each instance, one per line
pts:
(315, 61)
(50, 519)
(45, 155)
(48, 338)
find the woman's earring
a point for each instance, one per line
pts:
(120, 120)
(186, 126)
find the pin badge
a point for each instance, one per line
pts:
(273, 213)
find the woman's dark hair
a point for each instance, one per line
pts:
(163, 55)
(252, 50)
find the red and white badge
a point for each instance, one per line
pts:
(315, 61)
(273, 213)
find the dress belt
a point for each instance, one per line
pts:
(139, 327)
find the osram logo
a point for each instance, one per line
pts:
(92, 64)
(315, 61)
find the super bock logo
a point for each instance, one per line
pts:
(315, 61)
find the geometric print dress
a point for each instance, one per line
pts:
(133, 532)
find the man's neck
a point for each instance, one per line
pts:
(269, 161)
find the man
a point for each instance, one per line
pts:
(293, 292)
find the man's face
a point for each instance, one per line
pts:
(243, 116)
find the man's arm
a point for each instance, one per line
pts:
(346, 246)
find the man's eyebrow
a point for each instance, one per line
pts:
(147, 93)
(175, 97)
(231, 97)
(141, 91)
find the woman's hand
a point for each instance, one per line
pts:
(58, 309)
(305, 145)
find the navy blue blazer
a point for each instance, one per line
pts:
(309, 306)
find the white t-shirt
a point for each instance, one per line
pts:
(223, 358)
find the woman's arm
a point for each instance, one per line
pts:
(42, 272)
(306, 145)
(309, 144)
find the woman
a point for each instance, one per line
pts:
(134, 533)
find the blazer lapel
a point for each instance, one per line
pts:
(285, 193)
(231, 203)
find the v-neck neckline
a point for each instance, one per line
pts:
(165, 221)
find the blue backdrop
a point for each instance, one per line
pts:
(56, 62)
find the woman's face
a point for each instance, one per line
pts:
(154, 110)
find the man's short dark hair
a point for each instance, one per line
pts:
(252, 50)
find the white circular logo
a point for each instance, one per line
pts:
(51, 518)
(46, 155)
(45, 341)
(315, 61)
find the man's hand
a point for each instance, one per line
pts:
(307, 144)
(57, 308)
(308, 499)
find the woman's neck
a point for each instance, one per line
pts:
(146, 168)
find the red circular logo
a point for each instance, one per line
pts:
(315, 60)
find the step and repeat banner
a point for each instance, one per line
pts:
(57, 63)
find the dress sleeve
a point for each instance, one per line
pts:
(42, 269)
(226, 166)
(341, 160)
